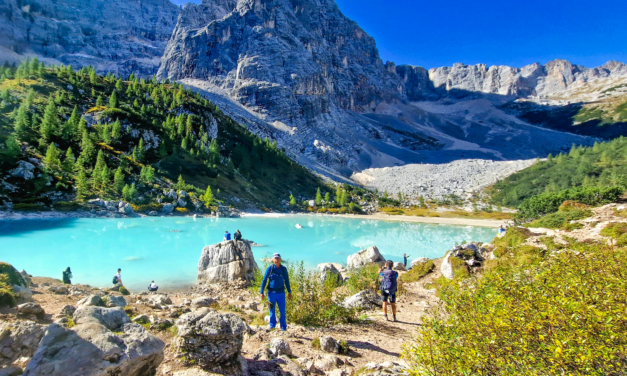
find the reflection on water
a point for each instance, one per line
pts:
(167, 249)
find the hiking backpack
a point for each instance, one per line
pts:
(388, 285)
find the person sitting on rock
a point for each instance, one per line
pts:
(388, 288)
(227, 236)
(67, 276)
(502, 231)
(237, 235)
(117, 279)
(279, 280)
(153, 287)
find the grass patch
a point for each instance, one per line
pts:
(124, 291)
(418, 271)
(315, 343)
(430, 212)
(616, 231)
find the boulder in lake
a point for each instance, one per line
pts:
(364, 257)
(167, 208)
(211, 340)
(92, 350)
(226, 262)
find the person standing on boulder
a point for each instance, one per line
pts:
(388, 288)
(405, 257)
(279, 280)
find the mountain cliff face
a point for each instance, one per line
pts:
(301, 72)
(111, 35)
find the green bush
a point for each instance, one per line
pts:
(7, 296)
(344, 347)
(418, 271)
(563, 316)
(13, 276)
(561, 219)
(617, 231)
(313, 303)
(124, 291)
(547, 203)
(315, 343)
(363, 278)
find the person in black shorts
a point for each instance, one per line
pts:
(388, 288)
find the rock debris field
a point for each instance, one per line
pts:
(433, 181)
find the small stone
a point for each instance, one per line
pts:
(279, 346)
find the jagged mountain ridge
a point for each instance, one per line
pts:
(111, 35)
(301, 72)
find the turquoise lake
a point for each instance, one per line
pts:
(167, 249)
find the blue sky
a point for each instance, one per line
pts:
(493, 32)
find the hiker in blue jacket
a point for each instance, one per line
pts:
(388, 288)
(279, 281)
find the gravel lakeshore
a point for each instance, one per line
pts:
(433, 181)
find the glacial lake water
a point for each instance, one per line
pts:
(167, 249)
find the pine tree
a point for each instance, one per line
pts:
(99, 101)
(181, 128)
(92, 76)
(30, 98)
(141, 148)
(180, 184)
(118, 85)
(135, 154)
(327, 197)
(318, 197)
(162, 150)
(69, 162)
(147, 174)
(50, 122)
(214, 152)
(113, 100)
(87, 148)
(51, 161)
(293, 200)
(81, 128)
(136, 103)
(106, 134)
(105, 177)
(207, 198)
(125, 191)
(13, 147)
(184, 143)
(116, 131)
(118, 180)
(189, 127)
(97, 173)
(71, 126)
(82, 184)
(21, 125)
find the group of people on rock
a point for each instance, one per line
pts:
(236, 236)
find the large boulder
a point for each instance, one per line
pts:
(23, 170)
(112, 318)
(364, 257)
(116, 301)
(226, 262)
(279, 346)
(125, 208)
(22, 294)
(92, 300)
(328, 270)
(19, 340)
(31, 309)
(329, 344)
(92, 350)
(446, 268)
(211, 340)
(363, 300)
(399, 266)
(167, 208)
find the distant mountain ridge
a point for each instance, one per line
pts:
(302, 73)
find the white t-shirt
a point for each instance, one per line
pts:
(119, 278)
(153, 285)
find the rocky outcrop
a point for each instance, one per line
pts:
(113, 36)
(19, 340)
(363, 300)
(328, 270)
(113, 319)
(279, 346)
(364, 257)
(446, 268)
(227, 261)
(211, 340)
(93, 350)
(419, 261)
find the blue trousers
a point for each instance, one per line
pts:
(277, 299)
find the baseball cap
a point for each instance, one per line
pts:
(276, 255)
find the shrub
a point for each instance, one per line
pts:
(344, 347)
(513, 237)
(181, 210)
(67, 205)
(124, 291)
(315, 343)
(363, 278)
(545, 203)
(7, 296)
(13, 276)
(314, 303)
(617, 231)
(563, 316)
(28, 207)
(562, 218)
(418, 271)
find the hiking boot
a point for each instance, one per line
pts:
(394, 318)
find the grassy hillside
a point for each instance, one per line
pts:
(604, 164)
(109, 137)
